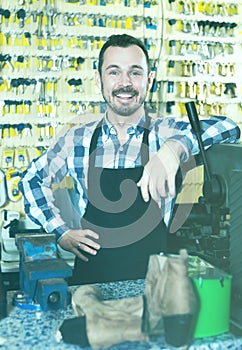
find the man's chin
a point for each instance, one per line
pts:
(125, 110)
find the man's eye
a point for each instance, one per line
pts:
(136, 73)
(113, 73)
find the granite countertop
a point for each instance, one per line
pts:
(37, 330)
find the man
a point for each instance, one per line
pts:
(124, 170)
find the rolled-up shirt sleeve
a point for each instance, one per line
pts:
(36, 187)
(216, 129)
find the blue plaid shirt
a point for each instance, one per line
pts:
(69, 157)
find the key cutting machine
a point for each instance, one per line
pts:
(213, 229)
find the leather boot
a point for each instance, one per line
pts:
(167, 306)
(109, 322)
(170, 298)
(155, 283)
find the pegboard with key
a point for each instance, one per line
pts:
(49, 52)
(201, 57)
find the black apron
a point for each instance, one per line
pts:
(129, 229)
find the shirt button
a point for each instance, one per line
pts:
(121, 149)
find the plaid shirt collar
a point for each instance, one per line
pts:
(108, 129)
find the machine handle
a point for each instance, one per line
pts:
(195, 123)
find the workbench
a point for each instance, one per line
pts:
(31, 330)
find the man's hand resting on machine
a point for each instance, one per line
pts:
(158, 178)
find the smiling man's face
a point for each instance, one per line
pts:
(125, 80)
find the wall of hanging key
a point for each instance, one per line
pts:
(48, 59)
(201, 58)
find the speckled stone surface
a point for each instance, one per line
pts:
(28, 330)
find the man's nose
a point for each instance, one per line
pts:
(125, 79)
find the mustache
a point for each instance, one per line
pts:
(125, 90)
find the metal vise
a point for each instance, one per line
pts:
(42, 273)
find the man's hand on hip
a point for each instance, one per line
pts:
(78, 241)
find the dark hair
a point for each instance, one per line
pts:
(121, 40)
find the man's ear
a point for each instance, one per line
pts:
(98, 80)
(150, 79)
